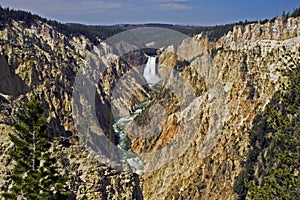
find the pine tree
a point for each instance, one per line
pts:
(35, 175)
(275, 145)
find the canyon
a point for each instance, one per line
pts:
(190, 105)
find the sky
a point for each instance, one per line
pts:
(189, 12)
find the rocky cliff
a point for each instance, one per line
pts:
(39, 60)
(231, 82)
(241, 79)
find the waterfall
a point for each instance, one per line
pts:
(150, 71)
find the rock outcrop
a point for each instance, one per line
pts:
(39, 60)
(240, 81)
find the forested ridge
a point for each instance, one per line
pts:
(95, 32)
(272, 167)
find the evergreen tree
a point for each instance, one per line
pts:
(275, 146)
(281, 178)
(34, 175)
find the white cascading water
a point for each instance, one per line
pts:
(150, 71)
(133, 160)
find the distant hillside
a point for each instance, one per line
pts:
(102, 32)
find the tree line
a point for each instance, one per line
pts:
(275, 146)
(96, 32)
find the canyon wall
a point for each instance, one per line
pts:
(242, 77)
(41, 61)
(231, 81)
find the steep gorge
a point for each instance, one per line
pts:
(232, 81)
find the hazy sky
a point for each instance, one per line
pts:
(199, 12)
